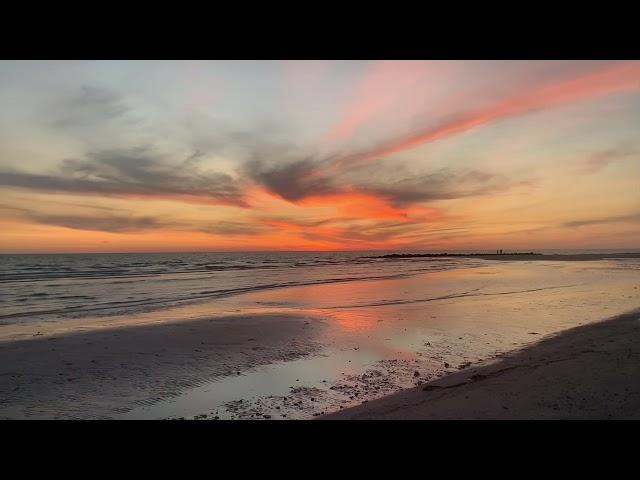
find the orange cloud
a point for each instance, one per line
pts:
(610, 79)
(355, 204)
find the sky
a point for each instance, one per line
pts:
(128, 156)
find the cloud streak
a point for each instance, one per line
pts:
(606, 80)
(633, 218)
(305, 156)
(600, 160)
(132, 173)
(90, 107)
(111, 223)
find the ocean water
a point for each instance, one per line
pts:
(49, 286)
(71, 286)
(372, 324)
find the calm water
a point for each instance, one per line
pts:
(50, 286)
(70, 286)
(379, 321)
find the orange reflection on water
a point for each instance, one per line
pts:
(350, 319)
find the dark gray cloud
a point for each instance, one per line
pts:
(294, 175)
(269, 159)
(113, 224)
(131, 172)
(125, 223)
(633, 218)
(71, 204)
(443, 184)
(293, 180)
(300, 179)
(277, 165)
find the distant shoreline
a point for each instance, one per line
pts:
(513, 256)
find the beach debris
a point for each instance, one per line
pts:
(383, 377)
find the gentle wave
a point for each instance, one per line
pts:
(77, 285)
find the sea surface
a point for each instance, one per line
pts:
(37, 286)
(376, 325)
(49, 286)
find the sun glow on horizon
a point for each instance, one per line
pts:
(318, 156)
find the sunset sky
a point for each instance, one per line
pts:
(318, 155)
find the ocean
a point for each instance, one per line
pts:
(273, 335)
(49, 286)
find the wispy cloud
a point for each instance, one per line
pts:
(229, 228)
(317, 155)
(89, 107)
(632, 218)
(132, 173)
(104, 222)
(390, 184)
(605, 80)
(112, 221)
(114, 224)
(599, 160)
(290, 180)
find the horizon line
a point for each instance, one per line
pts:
(479, 250)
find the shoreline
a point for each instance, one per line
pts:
(303, 351)
(586, 372)
(529, 256)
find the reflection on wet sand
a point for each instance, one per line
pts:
(302, 351)
(382, 336)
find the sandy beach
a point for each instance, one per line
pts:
(320, 239)
(509, 339)
(107, 372)
(588, 372)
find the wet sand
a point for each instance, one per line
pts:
(107, 372)
(588, 372)
(522, 257)
(300, 352)
(585, 257)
